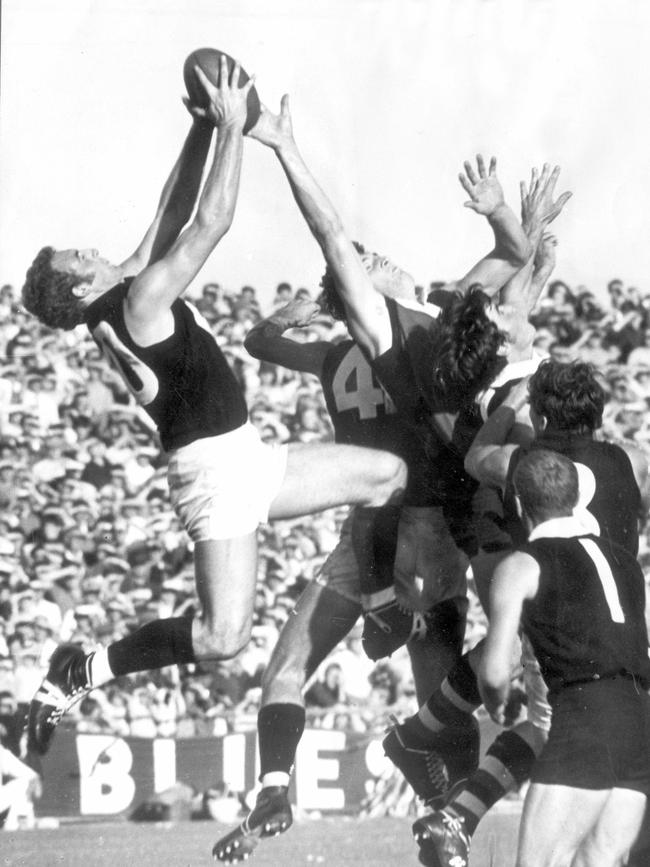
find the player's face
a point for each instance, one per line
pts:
(85, 263)
(387, 278)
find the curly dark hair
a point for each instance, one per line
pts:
(47, 293)
(466, 357)
(568, 395)
(329, 298)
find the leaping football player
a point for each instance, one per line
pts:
(223, 480)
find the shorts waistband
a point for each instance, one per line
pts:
(597, 678)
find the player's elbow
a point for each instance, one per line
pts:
(252, 346)
(216, 224)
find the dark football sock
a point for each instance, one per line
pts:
(449, 706)
(155, 645)
(507, 764)
(374, 536)
(279, 729)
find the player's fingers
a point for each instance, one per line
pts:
(562, 200)
(471, 205)
(469, 171)
(235, 72)
(249, 84)
(284, 105)
(493, 166)
(205, 81)
(523, 192)
(480, 164)
(552, 180)
(543, 178)
(465, 184)
(533, 180)
(223, 71)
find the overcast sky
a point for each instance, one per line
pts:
(388, 98)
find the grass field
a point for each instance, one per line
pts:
(372, 842)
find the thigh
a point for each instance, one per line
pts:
(554, 822)
(428, 566)
(321, 475)
(320, 620)
(615, 831)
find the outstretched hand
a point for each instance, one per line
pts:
(274, 130)
(299, 312)
(538, 208)
(227, 104)
(484, 190)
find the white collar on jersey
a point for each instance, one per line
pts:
(559, 528)
(518, 369)
(413, 304)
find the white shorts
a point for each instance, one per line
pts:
(539, 710)
(223, 487)
(429, 568)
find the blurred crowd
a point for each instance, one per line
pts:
(90, 548)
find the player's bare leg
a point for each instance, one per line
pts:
(319, 621)
(322, 475)
(226, 575)
(556, 820)
(618, 828)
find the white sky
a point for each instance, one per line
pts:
(388, 98)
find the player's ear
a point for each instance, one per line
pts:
(81, 289)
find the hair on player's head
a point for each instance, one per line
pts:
(47, 293)
(546, 483)
(467, 356)
(568, 396)
(329, 298)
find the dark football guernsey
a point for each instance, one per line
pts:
(363, 414)
(607, 471)
(405, 371)
(587, 619)
(184, 382)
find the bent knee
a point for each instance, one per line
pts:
(219, 642)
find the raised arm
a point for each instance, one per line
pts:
(538, 210)
(156, 287)
(511, 248)
(177, 199)
(265, 340)
(366, 311)
(504, 431)
(515, 579)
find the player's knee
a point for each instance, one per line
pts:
(390, 479)
(219, 641)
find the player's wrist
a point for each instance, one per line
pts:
(498, 212)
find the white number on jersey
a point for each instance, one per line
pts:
(606, 579)
(141, 381)
(365, 396)
(586, 491)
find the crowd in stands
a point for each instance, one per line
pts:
(90, 548)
